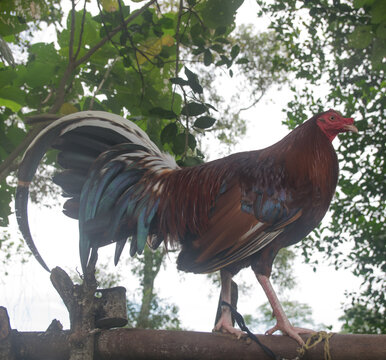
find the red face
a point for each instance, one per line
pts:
(332, 123)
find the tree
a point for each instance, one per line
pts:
(338, 49)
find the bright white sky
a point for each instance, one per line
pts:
(32, 302)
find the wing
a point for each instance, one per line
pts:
(248, 216)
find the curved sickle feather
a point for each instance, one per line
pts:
(21, 205)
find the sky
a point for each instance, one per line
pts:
(32, 302)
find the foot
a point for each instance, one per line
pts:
(283, 323)
(287, 329)
(224, 325)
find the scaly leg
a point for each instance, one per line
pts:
(224, 324)
(282, 323)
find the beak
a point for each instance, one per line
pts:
(350, 128)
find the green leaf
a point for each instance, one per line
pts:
(218, 48)
(235, 51)
(7, 76)
(378, 53)
(13, 93)
(224, 61)
(360, 3)
(211, 106)
(204, 122)
(361, 37)
(179, 144)
(208, 57)
(110, 5)
(198, 50)
(242, 61)
(221, 30)
(222, 40)
(378, 12)
(192, 143)
(163, 113)
(193, 81)
(193, 109)
(169, 133)
(166, 22)
(178, 81)
(190, 161)
(14, 106)
(219, 13)
(381, 31)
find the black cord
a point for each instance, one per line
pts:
(241, 323)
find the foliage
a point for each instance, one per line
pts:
(162, 315)
(336, 52)
(253, 76)
(9, 248)
(19, 16)
(362, 316)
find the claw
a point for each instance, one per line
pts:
(224, 325)
(229, 329)
(287, 329)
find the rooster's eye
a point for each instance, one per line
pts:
(332, 118)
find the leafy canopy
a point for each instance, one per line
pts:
(336, 52)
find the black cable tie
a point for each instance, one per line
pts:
(241, 323)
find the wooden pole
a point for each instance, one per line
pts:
(161, 344)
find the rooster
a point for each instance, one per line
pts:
(225, 215)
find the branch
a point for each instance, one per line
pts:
(40, 118)
(178, 36)
(105, 76)
(64, 286)
(174, 345)
(81, 30)
(177, 48)
(72, 33)
(82, 305)
(252, 105)
(5, 326)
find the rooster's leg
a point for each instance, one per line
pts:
(282, 323)
(224, 324)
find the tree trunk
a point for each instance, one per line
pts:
(151, 267)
